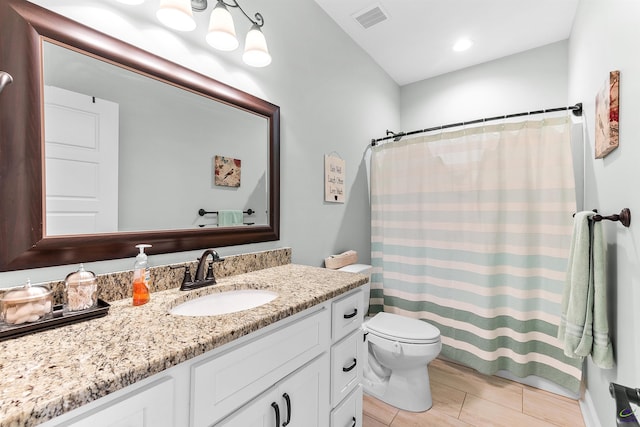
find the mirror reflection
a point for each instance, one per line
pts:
(126, 152)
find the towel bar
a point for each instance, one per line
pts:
(624, 217)
(202, 212)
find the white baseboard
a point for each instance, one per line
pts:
(588, 411)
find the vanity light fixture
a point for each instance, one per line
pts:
(222, 31)
(178, 14)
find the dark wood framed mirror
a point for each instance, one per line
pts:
(24, 243)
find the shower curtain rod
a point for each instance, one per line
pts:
(575, 109)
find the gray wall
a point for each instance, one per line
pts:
(527, 81)
(604, 38)
(333, 97)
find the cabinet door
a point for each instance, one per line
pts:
(151, 406)
(303, 398)
(300, 400)
(261, 412)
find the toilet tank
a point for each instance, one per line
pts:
(361, 269)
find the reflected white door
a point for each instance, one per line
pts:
(81, 168)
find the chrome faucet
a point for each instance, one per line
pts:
(200, 280)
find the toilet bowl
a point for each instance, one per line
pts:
(399, 350)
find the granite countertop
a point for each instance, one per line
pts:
(49, 373)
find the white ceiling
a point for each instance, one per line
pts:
(416, 40)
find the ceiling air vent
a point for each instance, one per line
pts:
(370, 16)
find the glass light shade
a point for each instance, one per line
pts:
(222, 31)
(256, 53)
(176, 14)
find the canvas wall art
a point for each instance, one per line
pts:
(227, 171)
(607, 112)
(334, 176)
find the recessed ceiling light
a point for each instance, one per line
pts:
(462, 45)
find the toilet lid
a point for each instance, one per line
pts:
(403, 329)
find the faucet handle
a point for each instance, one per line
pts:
(187, 273)
(210, 275)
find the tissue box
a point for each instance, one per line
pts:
(337, 261)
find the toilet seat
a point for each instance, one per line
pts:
(402, 329)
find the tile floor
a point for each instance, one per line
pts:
(463, 397)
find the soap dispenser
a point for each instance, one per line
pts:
(141, 277)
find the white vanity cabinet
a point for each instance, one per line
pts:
(307, 367)
(347, 359)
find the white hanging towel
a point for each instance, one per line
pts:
(584, 327)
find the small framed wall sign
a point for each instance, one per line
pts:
(607, 112)
(227, 171)
(334, 174)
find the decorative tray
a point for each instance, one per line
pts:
(59, 318)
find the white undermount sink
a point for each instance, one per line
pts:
(224, 302)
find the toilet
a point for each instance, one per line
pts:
(399, 349)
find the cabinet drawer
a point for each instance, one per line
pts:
(225, 383)
(346, 366)
(347, 314)
(349, 412)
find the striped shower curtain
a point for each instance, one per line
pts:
(471, 232)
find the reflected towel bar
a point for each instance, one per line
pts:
(624, 217)
(202, 212)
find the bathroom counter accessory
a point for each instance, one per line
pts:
(47, 374)
(59, 318)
